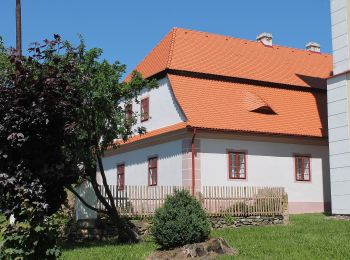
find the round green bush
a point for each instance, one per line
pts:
(180, 221)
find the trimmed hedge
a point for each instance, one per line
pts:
(180, 221)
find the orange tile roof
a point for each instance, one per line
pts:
(242, 106)
(202, 52)
(157, 132)
(223, 105)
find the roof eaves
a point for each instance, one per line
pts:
(254, 132)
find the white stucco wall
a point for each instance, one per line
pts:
(86, 191)
(339, 142)
(340, 35)
(338, 92)
(163, 108)
(268, 164)
(136, 164)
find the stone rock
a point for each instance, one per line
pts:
(340, 217)
(86, 223)
(205, 250)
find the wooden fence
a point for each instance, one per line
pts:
(243, 201)
(218, 201)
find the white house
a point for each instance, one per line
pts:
(231, 112)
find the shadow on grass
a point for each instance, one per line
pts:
(72, 245)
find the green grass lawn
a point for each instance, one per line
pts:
(309, 236)
(306, 237)
(109, 251)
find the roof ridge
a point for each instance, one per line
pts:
(172, 43)
(253, 41)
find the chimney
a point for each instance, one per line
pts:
(313, 46)
(265, 38)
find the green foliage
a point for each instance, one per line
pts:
(101, 117)
(229, 219)
(180, 221)
(63, 222)
(5, 64)
(38, 117)
(60, 108)
(30, 239)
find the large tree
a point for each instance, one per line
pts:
(38, 108)
(60, 108)
(102, 120)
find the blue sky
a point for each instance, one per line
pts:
(127, 30)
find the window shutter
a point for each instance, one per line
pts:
(144, 109)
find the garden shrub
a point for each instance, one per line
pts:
(30, 239)
(180, 221)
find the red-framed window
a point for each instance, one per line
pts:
(152, 171)
(128, 111)
(302, 167)
(121, 176)
(237, 165)
(144, 109)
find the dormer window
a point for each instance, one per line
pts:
(254, 103)
(264, 110)
(144, 109)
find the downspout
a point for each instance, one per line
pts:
(193, 163)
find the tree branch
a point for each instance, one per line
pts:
(104, 179)
(71, 189)
(100, 197)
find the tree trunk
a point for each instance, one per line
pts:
(18, 28)
(126, 234)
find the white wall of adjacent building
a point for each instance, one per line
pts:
(338, 92)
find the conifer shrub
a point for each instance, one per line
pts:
(180, 221)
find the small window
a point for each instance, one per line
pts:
(144, 109)
(120, 176)
(128, 111)
(237, 165)
(152, 171)
(302, 168)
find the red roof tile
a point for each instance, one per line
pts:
(202, 52)
(223, 105)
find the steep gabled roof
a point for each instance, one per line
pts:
(201, 52)
(229, 84)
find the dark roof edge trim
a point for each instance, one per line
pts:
(185, 73)
(256, 133)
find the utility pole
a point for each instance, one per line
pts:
(18, 28)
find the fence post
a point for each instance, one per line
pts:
(199, 197)
(285, 212)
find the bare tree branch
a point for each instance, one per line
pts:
(104, 180)
(71, 189)
(100, 197)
